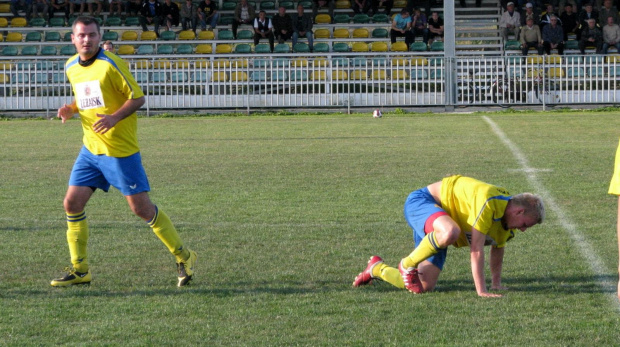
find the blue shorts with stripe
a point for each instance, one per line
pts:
(419, 207)
(101, 171)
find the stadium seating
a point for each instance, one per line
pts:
(229, 5)
(18, 22)
(182, 64)
(321, 33)
(219, 76)
(245, 35)
(243, 48)
(29, 50)
(187, 35)
(14, 36)
(225, 35)
(340, 62)
(512, 45)
(437, 46)
(204, 49)
(319, 75)
(38, 22)
(132, 22)
(323, 19)
(185, 49)
(361, 18)
(399, 46)
(380, 18)
(68, 50)
(299, 76)
(301, 47)
(360, 47)
(239, 76)
(267, 5)
(555, 72)
(399, 75)
(167, 35)
(262, 48)
(361, 33)
(282, 48)
(3, 22)
(341, 33)
(299, 62)
(307, 4)
(49, 50)
(52, 36)
(33, 36)
(56, 22)
(379, 46)
(553, 59)
(145, 50)
(67, 37)
(379, 33)
(125, 50)
(223, 48)
(418, 47)
(113, 21)
(321, 47)
(343, 4)
(148, 36)
(109, 36)
(359, 75)
(129, 35)
(341, 18)
(340, 75)
(340, 47)
(206, 35)
(179, 77)
(287, 4)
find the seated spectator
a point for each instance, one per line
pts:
(422, 4)
(244, 14)
(387, 5)
(573, 4)
(545, 17)
(553, 36)
(97, 11)
(40, 8)
(282, 25)
(302, 26)
(108, 46)
(21, 5)
(150, 14)
(170, 14)
(531, 12)
(401, 26)
(59, 6)
(510, 22)
(207, 14)
(586, 14)
(132, 7)
(323, 4)
(419, 25)
(80, 5)
(591, 35)
(435, 28)
(116, 8)
(189, 15)
(263, 29)
(530, 37)
(611, 35)
(570, 23)
(361, 6)
(608, 10)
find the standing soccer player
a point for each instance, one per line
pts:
(614, 189)
(107, 98)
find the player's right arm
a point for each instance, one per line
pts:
(477, 264)
(66, 112)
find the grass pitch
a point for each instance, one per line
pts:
(285, 211)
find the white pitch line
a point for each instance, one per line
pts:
(585, 248)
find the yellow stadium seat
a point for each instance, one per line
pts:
(147, 36)
(125, 50)
(219, 76)
(129, 36)
(534, 73)
(239, 63)
(3, 22)
(182, 64)
(6, 65)
(343, 4)
(221, 63)
(223, 48)
(187, 35)
(359, 75)
(318, 75)
(14, 37)
(323, 19)
(419, 61)
(613, 58)
(379, 46)
(206, 35)
(534, 59)
(340, 75)
(5, 8)
(1, 37)
(300, 62)
(320, 62)
(399, 75)
(400, 61)
(204, 49)
(359, 47)
(202, 63)
(239, 76)
(341, 33)
(400, 3)
(321, 33)
(361, 33)
(379, 74)
(18, 22)
(4, 78)
(399, 46)
(143, 64)
(161, 64)
(553, 59)
(555, 72)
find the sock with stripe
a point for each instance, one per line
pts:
(77, 238)
(164, 229)
(389, 274)
(427, 248)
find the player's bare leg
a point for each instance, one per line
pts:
(428, 274)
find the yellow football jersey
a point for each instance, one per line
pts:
(614, 186)
(475, 204)
(102, 88)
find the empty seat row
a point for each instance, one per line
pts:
(67, 50)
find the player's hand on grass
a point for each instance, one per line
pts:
(65, 113)
(105, 123)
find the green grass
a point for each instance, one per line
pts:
(284, 211)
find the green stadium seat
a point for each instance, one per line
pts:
(229, 6)
(68, 50)
(281, 62)
(59, 77)
(47, 65)
(167, 35)
(419, 74)
(40, 77)
(165, 49)
(342, 18)
(359, 62)
(361, 18)
(52, 36)
(301, 47)
(185, 49)
(243, 48)
(141, 77)
(67, 37)
(30, 50)
(259, 63)
(225, 35)
(418, 47)
(259, 76)
(299, 76)
(201, 76)
(379, 61)
(571, 44)
(178, 77)
(37, 22)
(159, 77)
(380, 33)
(145, 50)
(267, 5)
(279, 76)
(110, 36)
(339, 61)
(56, 22)
(132, 21)
(226, 20)
(33, 36)
(512, 45)
(245, 35)
(262, 48)
(21, 78)
(437, 46)
(113, 21)
(287, 5)
(282, 48)
(341, 47)
(380, 18)
(321, 47)
(49, 50)
(307, 4)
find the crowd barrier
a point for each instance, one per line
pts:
(330, 80)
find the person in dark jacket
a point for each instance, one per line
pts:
(151, 13)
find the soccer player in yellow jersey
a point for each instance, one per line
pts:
(107, 98)
(614, 189)
(458, 211)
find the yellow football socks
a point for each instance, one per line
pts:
(389, 274)
(164, 229)
(77, 238)
(427, 247)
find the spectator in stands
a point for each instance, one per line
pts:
(545, 17)
(263, 29)
(133, 7)
(510, 22)
(189, 15)
(79, 4)
(401, 26)
(530, 37)
(422, 4)
(529, 11)
(611, 35)
(40, 8)
(591, 36)
(361, 6)
(435, 27)
(282, 25)
(21, 5)
(553, 36)
(170, 14)
(563, 3)
(108, 46)
(608, 10)
(302, 26)
(570, 23)
(323, 4)
(586, 14)
(207, 14)
(116, 8)
(387, 6)
(151, 13)
(90, 7)
(419, 25)
(59, 6)
(244, 14)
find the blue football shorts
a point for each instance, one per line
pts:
(421, 210)
(100, 171)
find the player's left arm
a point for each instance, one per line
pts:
(496, 262)
(477, 263)
(108, 121)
